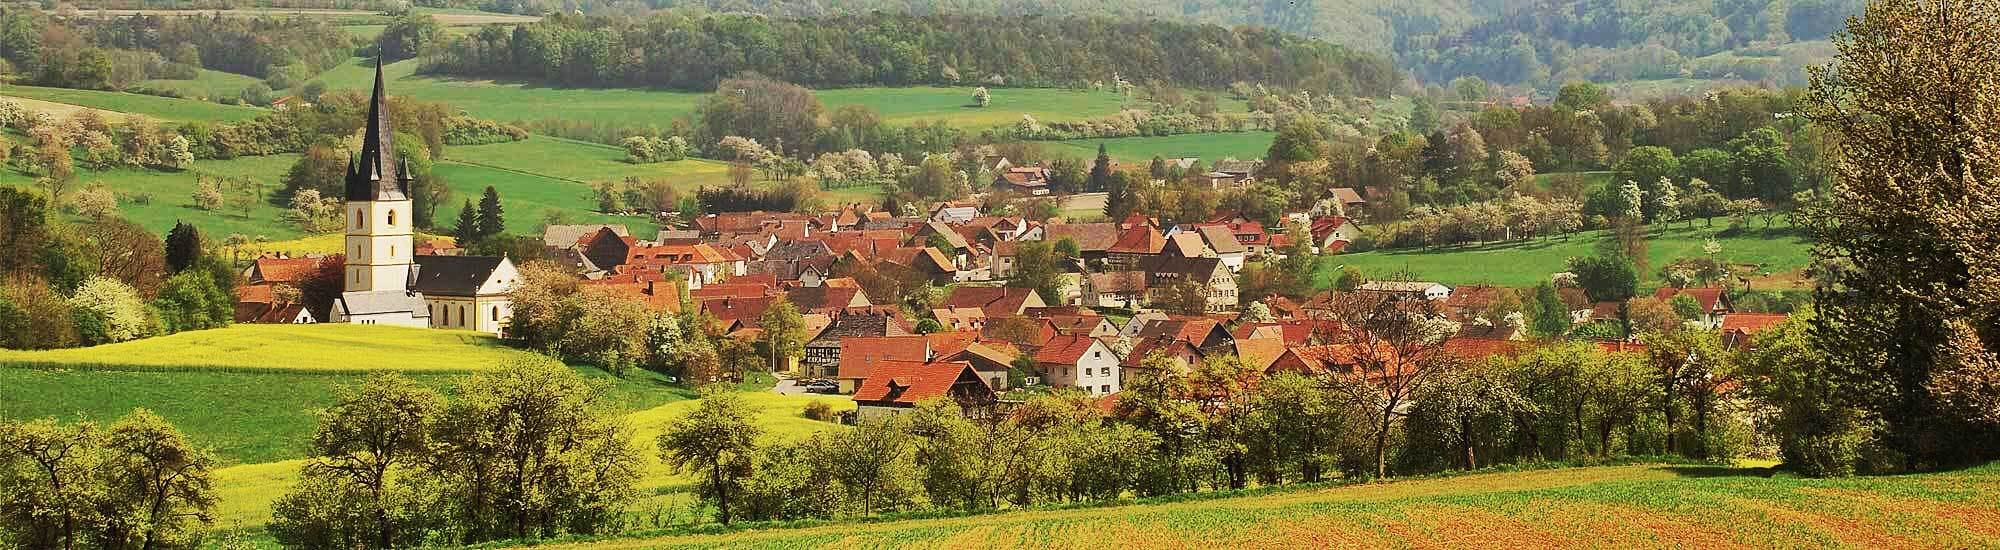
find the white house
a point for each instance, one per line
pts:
(1079, 362)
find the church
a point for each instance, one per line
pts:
(387, 283)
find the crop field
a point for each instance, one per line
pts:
(586, 162)
(1644, 506)
(514, 101)
(162, 108)
(1208, 147)
(1527, 263)
(336, 348)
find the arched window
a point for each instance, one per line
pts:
(461, 315)
(447, 315)
(357, 218)
(496, 314)
(392, 218)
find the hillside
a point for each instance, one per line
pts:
(1641, 506)
(1527, 263)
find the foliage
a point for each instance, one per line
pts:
(715, 440)
(137, 484)
(115, 311)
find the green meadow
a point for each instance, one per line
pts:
(207, 85)
(1527, 263)
(513, 101)
(162, 108)
(1208, 147)
(1636, 506)
(167, 196)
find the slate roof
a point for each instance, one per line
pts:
(385, 301)
(454, 275)
(374, 174)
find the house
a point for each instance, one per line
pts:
(788, 260)
(1259, 353)
(955, 245)
(927, 261)
(258, 304)
(467, 292)
(1213, 280)
(955, 211)
(1026, 180)
(559, 236)
(828, 301)
(1738, 329)
(709, 263)
(730, 314)
(1255, 240)
(1079, 362)
(1094, 326)
(994, 301)
(1186, 244)
(1241, 170)
(1116, 289)
(859, 356)
(1224, 245)
(1183, 354)
(1000, 259)
(1093, 240)
(898, 386)
(1713, 303)
(1313, 360)
(956, 318)
(822, 353)
(1413, 289)
(1332, 233)
(1470, 302)
(281, 269)
(1138, 241)
(993, 361)
(1349, 200)
(1201, 333)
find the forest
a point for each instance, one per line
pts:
(692, 51)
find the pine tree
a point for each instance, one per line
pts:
(1116, 197)
(467, 230)
(1100, 171)
(491, 221)
(183, 247)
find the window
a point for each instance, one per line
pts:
(461, 315)
(1104, 388)
(1096, 355)
(392, 218)
(392, 251)
(496, 313)
(357, 218)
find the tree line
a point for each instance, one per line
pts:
(117, 52)
(686, 50)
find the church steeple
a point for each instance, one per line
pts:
(375, 175)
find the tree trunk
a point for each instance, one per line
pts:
(1382, 444)
(721, 491)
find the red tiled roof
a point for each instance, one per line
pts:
(1147, 347)
(1140, 240)
(859, 355)
(995, 301)
(747, 310)
(1089, 237)
(1705, 297)
(1064, 349)
(1751, 323)
(911, 382)
(730, 290)
(286, 270)
(1259, 353)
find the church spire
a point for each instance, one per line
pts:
(375, 175)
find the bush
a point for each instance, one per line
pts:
(819, 410)
(465, 130)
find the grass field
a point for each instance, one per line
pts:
(1647, 506)
(328, 348)
(163, 108)
(1521, 264)
(208, 84)
(509, 101)
(1208, 147)
(171, 195)
(585, 162)
(246, 491)
(529, 198)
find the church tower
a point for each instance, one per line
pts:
(379, 214)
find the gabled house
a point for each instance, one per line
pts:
(1738, 329)
(859, 356)
(1093, 240)
(1116, 289)
(1412, 289)
(1186, 244)
(1202, 333)
(1140, 241)
(1224, 244)
(993, 361)
(1350, 201)
(1255, 239)
(1026, 180)
(1332, 233)
(1714, 303)
(731, 314)
(1079, 362)
(1214, 281)
(1000, 259)
(993, 300)
(955, 318)
(898, 386)
(558, 236)
(828, 301)
(467, 292)
(1184, 355)
(822, 353)
(1094, 326)
(788, 259)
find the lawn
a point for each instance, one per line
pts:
(511, 101)
(1208, 147)
(1522, 264)
(1644, 506)
(169, 195)
(163, 108)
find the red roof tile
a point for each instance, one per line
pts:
(859, 355)
(910, 382)
(1064, 349)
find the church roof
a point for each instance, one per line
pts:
(376, 175)
(454, 275)
(372, 302)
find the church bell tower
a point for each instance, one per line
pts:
(379, 215)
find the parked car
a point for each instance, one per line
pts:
(822, 386)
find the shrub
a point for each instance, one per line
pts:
(819, 410)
